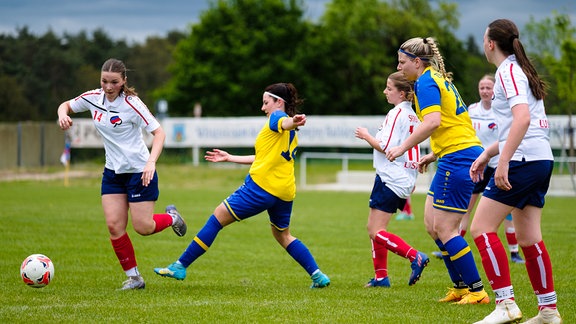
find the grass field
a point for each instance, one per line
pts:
(246, 277)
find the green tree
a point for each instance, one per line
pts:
(148, 65)
(238, 48)
(552, 46)
(49, 69)
(15, 106)
(552, 42)
(357, 44)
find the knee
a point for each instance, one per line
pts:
(220, 209)
(144, 230)
(431, 231)
(223, 216)
(481, 225)
(475, 231)
(116, 229)
(373, 231)
(284, 238)
(528, 239)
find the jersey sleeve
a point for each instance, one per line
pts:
(275, 121)
(515, 84)
(145, 118)
(391, 123)
(428, 95)
(84, 101)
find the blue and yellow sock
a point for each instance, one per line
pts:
(452, 271)
(463, 260)
(201, 241)
(299, 252)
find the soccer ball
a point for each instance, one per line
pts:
(37, 270)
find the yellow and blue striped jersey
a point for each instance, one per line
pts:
(273, 166)
(433, 93)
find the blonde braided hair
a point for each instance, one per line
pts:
(427, 51)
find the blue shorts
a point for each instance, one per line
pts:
(129, 184)
(481, 185)
(250, 200)
(452, 186)
(529, 180)
(384, 199)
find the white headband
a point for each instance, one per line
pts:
(273, 95)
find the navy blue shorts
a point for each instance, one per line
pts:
(250, 200)
(481, 185)
(529, 180)
(384, 199)
(452, 186)
(129, 184)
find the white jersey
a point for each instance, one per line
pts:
(512, 88)
(400, 175)
(120, 123)
(484, 123)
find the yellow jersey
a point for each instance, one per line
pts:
(273, 166)
(433, 93)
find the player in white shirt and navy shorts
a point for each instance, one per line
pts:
(129, 180)
(521, 179)
(394, 182)
(486, 127)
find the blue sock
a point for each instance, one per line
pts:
(454, 274)
(201, 241)
(463, 261)
(299, 252)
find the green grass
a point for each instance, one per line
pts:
(246, 277)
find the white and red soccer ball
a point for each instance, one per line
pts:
(37, 270)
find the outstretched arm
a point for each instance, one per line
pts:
(217, 155)
(296, 121)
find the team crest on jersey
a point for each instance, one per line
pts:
(492, 126)
(115, 120)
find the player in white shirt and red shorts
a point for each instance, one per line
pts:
(129, 181)
(394, 182)
(521, 179)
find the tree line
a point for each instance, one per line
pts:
(339, 63)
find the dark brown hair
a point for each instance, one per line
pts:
(505, 34)
(288, 92)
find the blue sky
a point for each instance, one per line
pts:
(134, 20)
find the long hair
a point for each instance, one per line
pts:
(288, 93)
(427, 51)
(506, 36)
(117, 66)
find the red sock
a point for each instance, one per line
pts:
(540, 273)
(124, 251)
(380, 260)
(162, 221)
(407, 208)
(494, 260)
(395, 244)
(511, 236)
(462, 232)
